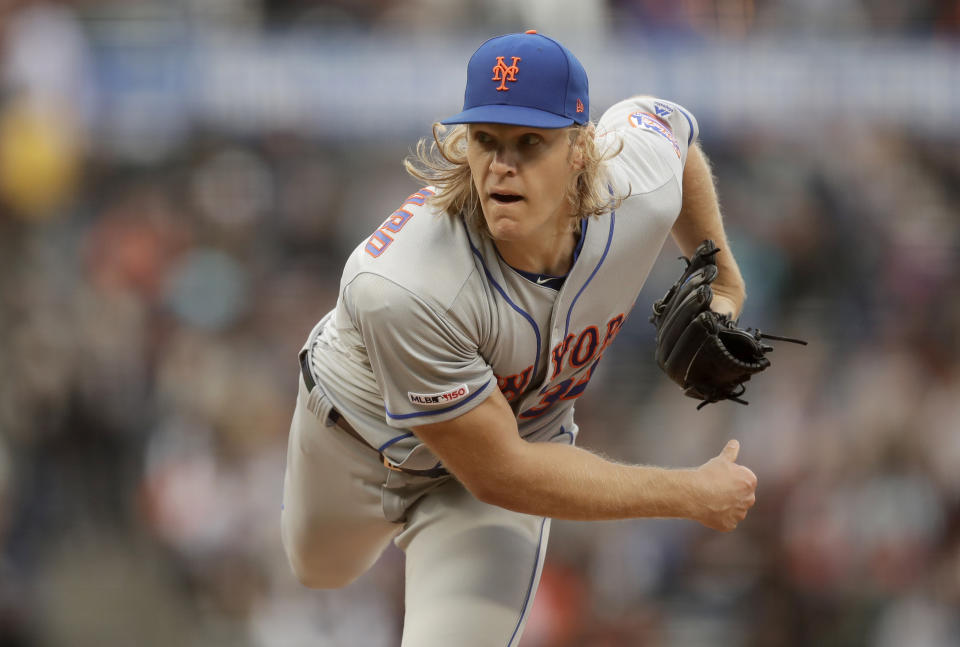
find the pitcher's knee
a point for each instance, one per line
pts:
(321, 574)
(318, 565)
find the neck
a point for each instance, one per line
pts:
(548, 254)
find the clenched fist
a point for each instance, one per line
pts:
(726, 490)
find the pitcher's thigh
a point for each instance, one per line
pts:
(332, 521)
(472, 570)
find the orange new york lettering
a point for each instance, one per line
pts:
(512, 386)
(559, 352)
(584, 348)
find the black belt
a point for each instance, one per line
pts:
(341, 422)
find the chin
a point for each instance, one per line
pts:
(505, 236)
(504, 228)
(504, 223)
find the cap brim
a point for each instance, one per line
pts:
(510, 116)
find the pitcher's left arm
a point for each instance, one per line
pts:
(700, 219)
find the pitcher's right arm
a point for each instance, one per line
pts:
(484, 451)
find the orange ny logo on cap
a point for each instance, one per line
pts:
(503, 73)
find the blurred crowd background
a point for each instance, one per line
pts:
(180, 184)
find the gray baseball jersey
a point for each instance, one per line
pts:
(430, 319)
(428, 322)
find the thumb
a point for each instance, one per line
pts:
(731, 450)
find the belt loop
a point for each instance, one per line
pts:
(389, 465)
(314, 401)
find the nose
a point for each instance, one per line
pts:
(503, 162)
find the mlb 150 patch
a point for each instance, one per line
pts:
(432, 399)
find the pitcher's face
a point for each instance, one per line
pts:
(521, 175)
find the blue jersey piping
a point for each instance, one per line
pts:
(613, 221)
(689, 121)
(493, 282)
(416, 414)
(533, 577)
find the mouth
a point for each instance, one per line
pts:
(505, 198)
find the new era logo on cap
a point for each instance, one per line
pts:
(524, 80)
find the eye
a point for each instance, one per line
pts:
(482, 137)
(530, 139)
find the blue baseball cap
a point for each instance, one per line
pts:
(524, 80)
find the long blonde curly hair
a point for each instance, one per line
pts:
(442, 163)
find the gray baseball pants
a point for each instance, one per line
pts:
(472, 569)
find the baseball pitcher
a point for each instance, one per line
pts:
(436, 405)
